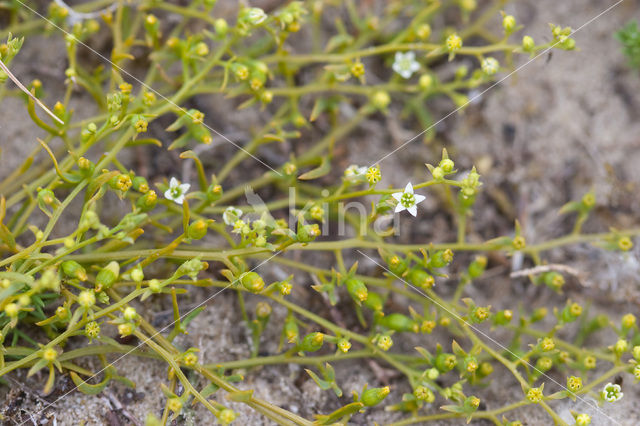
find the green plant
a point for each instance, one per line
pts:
(62, 291)
(629, 38)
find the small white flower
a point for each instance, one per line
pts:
(612, 392)
(407, 200)
(176, 191)
(231, 215)
(355, 174)
(490, 65)
(256, 16)
(405, 64)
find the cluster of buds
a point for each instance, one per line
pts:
(193, 121)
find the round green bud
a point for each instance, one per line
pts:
(380, 99)
(252, 282)
(197, 229)
(399, 322)
(528, 44)
(312, 342)
(508, 23)
(423, 393)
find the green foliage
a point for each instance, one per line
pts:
(60, 289)
(629, 38)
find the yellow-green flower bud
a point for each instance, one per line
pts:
(49, 354)
(380, 99)
(534, 395)
(583, 419)
(263, 310)
(628, 321)
(374, 301)
(453, 43)
(589, 362)
(519, 242)
(399, 322)
(312, 342)
(373, 175)
(190, 359)
(385, 343)
(252, 282)
(140, 184)
(291, 332)
(508, 23)
(445, 362)
(73, 269)
(374, 396)
(137, 275)
(86, 298)
(625, 243)
(174, 404)
(202, 49)
(226, 416)
(62, 312)
(426, 81)
(221, 26)
(547, 344)
(107, 276)
(308, 233)
(620, 347)
(12, 310)
(126, 329)
(423, 31)
(197, 229)
(423, 393)
(574, 383)
(528, 44)
(357, 289)
(147, 201)
(130, 314)
(480, 314)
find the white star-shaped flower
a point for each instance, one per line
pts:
(256, 16)
(176, 191)
(355, 173)
(407, 200)
(405, 64)
(612, 392)
(231, 215)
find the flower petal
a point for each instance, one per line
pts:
(413, 210)
(418, 198)
(173, 182)
(408, 189)
(397, 195)
(168, 194)
(184, 188)
(399, 208)
(179, 199)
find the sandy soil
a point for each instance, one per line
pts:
(563, 124)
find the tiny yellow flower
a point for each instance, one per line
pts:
(534, 395)
(453, 43)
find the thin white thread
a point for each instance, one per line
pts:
(493, 85)
(142, 83)
(152, 336)
(458, 317)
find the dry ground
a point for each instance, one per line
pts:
(563, 124)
